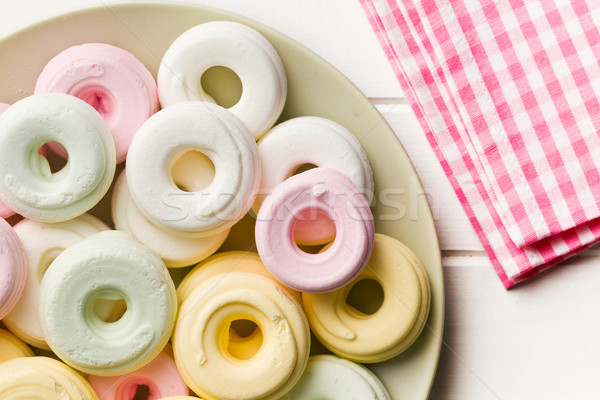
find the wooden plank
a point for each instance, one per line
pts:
(538, 341)
(454, 229)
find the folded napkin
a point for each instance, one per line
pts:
(508, 94)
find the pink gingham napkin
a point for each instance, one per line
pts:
(508, 94)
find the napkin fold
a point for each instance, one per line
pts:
(508, 94)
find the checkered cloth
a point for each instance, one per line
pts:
(508, 94)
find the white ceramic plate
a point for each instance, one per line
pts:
(314, 88)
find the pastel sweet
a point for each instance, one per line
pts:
(5, 212)
(11, 347)
(237, 47)
(175, 251)
(222, 263)
(13, 268)
(333, 378)
(160, 377)
(42, 378)
(42, 242)
(111, 80)
(317, 141)
(193, 171)
(28, 186)
(394, 326)
(218, 360)
(171, 133)
(330, 193)
(107, 265)
(93, 221)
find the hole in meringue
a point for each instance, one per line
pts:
(365, 297)
(14, 219)
(243, 328)
(51, 161)
(314, 231)
(98, 98)
(193, 171)
(142, 392)
(222, 84)
(109, 306)
(244, 339)
(303, 168)
(46, 259)
(314, 249)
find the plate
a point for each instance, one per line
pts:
(315, 87)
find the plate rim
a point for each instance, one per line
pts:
(57, 16)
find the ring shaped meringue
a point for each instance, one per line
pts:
(175, 251)
(42, 242)
(13, 268)
(111, 80)
(237, 47)
(333, 378)
(109, 264)
(223, 263)
(28, 186)
(5, 212)
(174, 131)
(399, 320)
(12, 347)
(330, 193)
(201, 341)
(42, 378)
(160, 376)
(318, 141)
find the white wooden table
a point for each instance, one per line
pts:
(537, 341)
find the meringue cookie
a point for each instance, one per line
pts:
(175, 251)
(349, 332)
(42, 378)
(107, 265)
(330, 193)
(42, 242)
(333, 378)
(320, 142)
(5, 212)
(11, 347)
(237, 47)
(174, 131)
(13, 268)
(224, 263)
(28, 186)
(111, 80)
(160, 376)
(218, 362)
